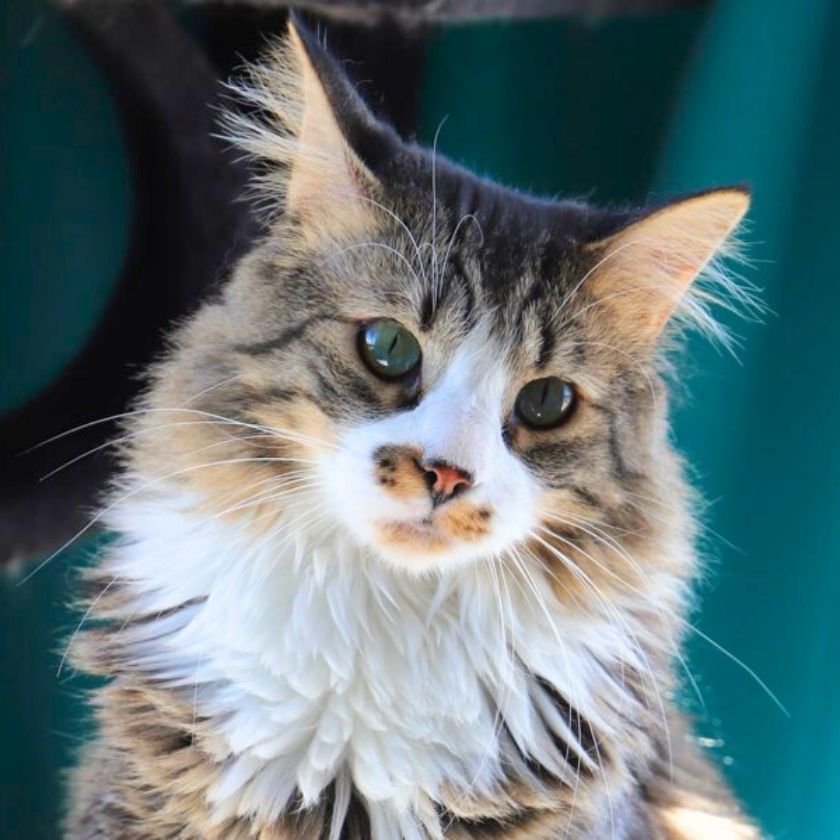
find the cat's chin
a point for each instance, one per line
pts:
(422, 537)
(421, 546)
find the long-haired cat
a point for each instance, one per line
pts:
(404, 550)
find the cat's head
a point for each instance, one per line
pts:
(444, 369)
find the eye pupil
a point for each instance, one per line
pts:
(388, 349)
(545, 403)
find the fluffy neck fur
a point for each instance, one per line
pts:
(315, 665)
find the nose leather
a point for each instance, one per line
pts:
(446, 480)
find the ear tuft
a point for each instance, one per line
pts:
(307, 168)
(667, 266)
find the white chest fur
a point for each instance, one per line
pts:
(317, 664)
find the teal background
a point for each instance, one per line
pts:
(621, 110)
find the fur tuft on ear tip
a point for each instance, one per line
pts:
(264, 122)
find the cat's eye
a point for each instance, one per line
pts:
(388, 349)
(546, 403)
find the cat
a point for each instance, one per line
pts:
(403, 549)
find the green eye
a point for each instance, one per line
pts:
(546, 403)
(388, 348)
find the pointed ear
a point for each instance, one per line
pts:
(326, 179)
(318, 141)
(644, 272)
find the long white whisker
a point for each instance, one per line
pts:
(382, 245)
(84, 618)
(290, 488)
(591, 271)
(209, 388)
(582, 753)
(464, 218)
(402, 225)
(749, 671)
(589, 527)
(436, 279)
(741, 664)
(141, 432)
(600, 762)
(221, 419)
(98, 517)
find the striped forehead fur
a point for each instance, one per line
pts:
(447, 200)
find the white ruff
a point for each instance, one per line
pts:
(318, 663)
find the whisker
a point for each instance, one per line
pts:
(403, 226)
(84, 618)
(664, 506)
(749, 671)
(382, 245)
(507, 644)
(220, 419)
(210, 388)
(466, 217)
(520, 565)
(590, 528)
(647, 669)
(633, 360)
(289, 489)
(741, 664)
(140, 432)
(98, 517)
(436, 280)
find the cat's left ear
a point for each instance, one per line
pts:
(643, 272)
(321, 142)
(339, 141)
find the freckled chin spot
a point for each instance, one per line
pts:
(466, 521)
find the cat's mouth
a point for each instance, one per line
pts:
(440, 531)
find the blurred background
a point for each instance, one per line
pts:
(619, 107)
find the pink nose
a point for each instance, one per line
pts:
(446, 481)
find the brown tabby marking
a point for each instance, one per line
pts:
(398, 470)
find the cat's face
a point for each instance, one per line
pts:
(444, 370)
(436, 481)
(430, 404)
(443, 419)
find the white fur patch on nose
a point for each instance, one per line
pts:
(459, 421)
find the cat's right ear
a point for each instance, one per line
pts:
(319, 141)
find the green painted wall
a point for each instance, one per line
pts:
(619, 110)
